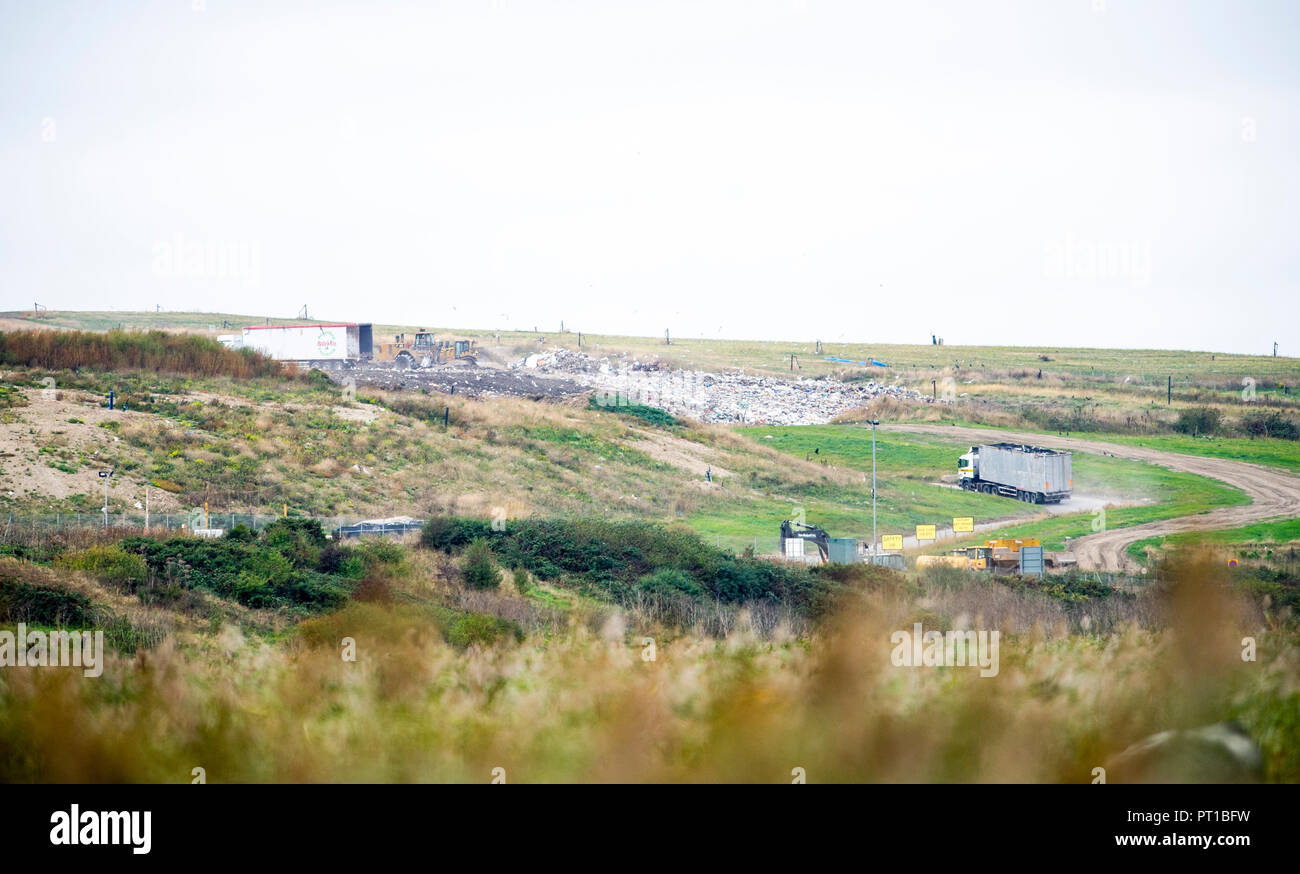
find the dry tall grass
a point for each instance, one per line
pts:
(585, 701)
(153, 351)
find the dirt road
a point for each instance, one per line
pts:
(1273, 492)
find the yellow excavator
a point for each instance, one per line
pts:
(423, 349)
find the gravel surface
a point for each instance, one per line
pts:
(1273, 492)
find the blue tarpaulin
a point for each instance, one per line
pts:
(871, 363)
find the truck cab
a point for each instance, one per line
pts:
(967, 464)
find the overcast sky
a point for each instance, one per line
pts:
(1052, 172)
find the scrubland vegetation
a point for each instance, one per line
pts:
(560, 616)
(152, 351)
(555, 680)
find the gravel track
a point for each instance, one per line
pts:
(1273, 492)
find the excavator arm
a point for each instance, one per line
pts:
(810, 533)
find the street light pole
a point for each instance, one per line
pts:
(104, 475)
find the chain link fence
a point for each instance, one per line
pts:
(25, 526)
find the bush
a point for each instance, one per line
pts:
(1202, 420)
(449, 532)
(29, 595)
(110, 565)
(470, 628)
(1272, 424)
(241, 533)
(669, 581)
(319, 379)
(279, 570)
(479, 569)
(300, 539)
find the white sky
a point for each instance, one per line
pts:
(791, 170)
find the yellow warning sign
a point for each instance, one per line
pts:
(963, 524)
(891, 541)
(925, 532)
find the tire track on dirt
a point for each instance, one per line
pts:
(1272, 492)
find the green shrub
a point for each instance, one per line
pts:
(1272, 424)
(241, 533)
(276, 571)
(669, 581)
(42, 602)
(1202, 420)
(110, 565)
(449, 532)
(319, 379)
(479, 569)
(651, 415)
(298, 538)
(467, 629)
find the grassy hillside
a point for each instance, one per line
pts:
(1082, 390)
(255, 445)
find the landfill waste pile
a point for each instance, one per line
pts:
(469, 381)
(731, 396)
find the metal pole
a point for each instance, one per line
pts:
(105, 502)
(873, 488)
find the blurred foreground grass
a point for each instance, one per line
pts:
(585, 701)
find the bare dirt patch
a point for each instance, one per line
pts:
(44, 422)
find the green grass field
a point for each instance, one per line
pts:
(1262, 535)
(1261, 450)
(907, 466)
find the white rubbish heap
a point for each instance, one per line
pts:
(731, 396)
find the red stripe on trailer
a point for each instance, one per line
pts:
(282, 327)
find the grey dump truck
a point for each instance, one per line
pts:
(1013, 470)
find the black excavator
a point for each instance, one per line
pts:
(807, 532)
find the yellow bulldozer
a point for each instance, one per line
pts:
(423, 349)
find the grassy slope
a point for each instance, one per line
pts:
(909, 463)
(260, 443)
(764, 490)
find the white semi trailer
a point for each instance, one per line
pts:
(328, 346)
(1014, 470)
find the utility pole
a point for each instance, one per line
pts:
(934, 389)
(1169, 393)
(874, 423)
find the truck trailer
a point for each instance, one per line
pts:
(328, 346)
(1014, 470)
